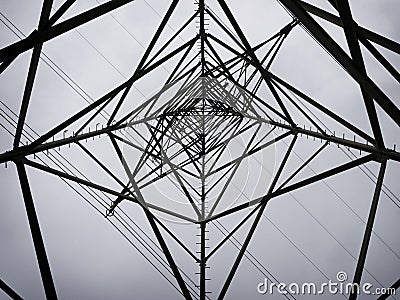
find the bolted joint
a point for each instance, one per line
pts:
(295, 130)
(382, 157)
(285, 30)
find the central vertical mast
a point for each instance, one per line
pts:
(203, 158)
(202, 34)
(203, 193)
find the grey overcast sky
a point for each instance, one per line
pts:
(305, 236)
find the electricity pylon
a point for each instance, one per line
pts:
(208, 118)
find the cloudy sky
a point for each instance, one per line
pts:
(305, 236)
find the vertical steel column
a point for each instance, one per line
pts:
(203, 261)
(368, 230)
(202, 36)
(203, 183)
(40, 250)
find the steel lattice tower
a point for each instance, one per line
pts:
(195, 133)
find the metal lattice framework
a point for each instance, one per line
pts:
(182, 136)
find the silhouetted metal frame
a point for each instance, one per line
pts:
(255, 223)
(46, 9)
(37, 37)
(354, 66)
(343, 59)
(349, 27)
(394, 286)
(44, 266)
(150, 217)
(368, 231)
(9, 291)
(361, 31)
